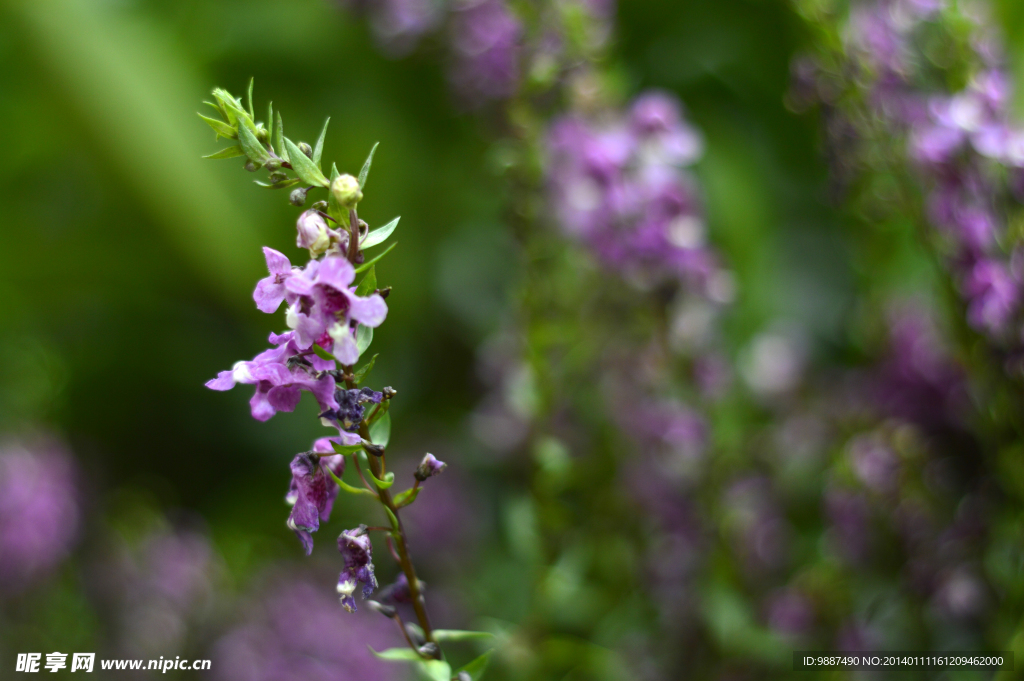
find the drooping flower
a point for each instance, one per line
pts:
(312, 493)
(351, 408)
(280, 374)
(356, 550)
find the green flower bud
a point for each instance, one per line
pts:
(251, 166)
(278, 177)
(320, 206)
(298, 197)
(273, 164)
(345, 190)
(306, 149)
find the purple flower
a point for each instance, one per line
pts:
(993, 294)
(399, 24)
(39, 511)
(619, 186)
(326, 303)
(356, 550)
(312, 233)
(486, 50)
(312, 492)
(429, 467)
(271, 290)
(280, 375)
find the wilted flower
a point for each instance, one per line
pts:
(356, 550)
(312, 493)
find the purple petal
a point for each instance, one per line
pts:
(370, 311)
(336, 272)
(277, 262)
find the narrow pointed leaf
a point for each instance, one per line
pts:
(364, 336)
(366, 165)
(368, 284)
(270, 127)
(321, 353)
(476, 668)
(252, 147)
(380, 235)
(278, 138)
(405, 498)
(459, 635)
(347, 487)
(319, 148)
(397, 655)
(389, 478)
(371, 263)
(252, 112)
(220, 127)
(362, 371)
(380, 432)
(345, 449)
(228, 152)
(283, 184)
(304, 166)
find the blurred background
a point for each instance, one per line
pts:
(144, 513)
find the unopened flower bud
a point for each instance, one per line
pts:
(346, 191)
(384, 292)
(298, 197)
(320, 206)
(278, 176)
(261, 133)
(306, 149)
(312, 232)
(429, 467)
(371, 448)
(415, 633)
(464, 676)
(273, 164)
(431, 650)
(388, 611)
(389, 392)
(252, 166)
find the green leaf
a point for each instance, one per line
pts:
(251, 146)
(366, 165)
(233, 111)
(362, 371)
(278, 138)
(304, 166)
(398, 655)
(220, 127)
(371, 263)
(380, 432)
(228, 152)
(283, 184)
(386, 482)
(379, 236)
(459, 635)
(319, 148)
(345, 449)
(476, 668)
(252, 112)
(321, 353)
(364, 336)
(435, 670)
(368, 284)
(270, 126)
(347, 487)
(403, 499)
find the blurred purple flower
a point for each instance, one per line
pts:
(620, 187)
(398, 25)
(486, 47)
(294, 634)
(39, 510)
(790, 613)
